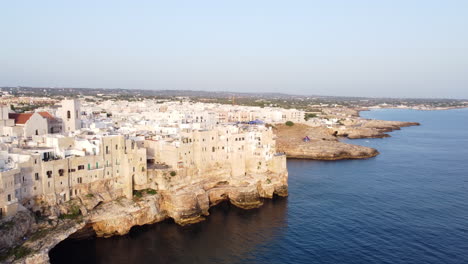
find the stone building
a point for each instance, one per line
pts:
(235, 151)
(70, 113)
(49, 174)
(130, 148)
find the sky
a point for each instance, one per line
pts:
(373, 48)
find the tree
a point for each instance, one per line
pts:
(289, 123)
(308, 116)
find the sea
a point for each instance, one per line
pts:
(407, 205)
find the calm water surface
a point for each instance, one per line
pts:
(408, 205)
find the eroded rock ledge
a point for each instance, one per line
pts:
(108, 216)
(324, 142)
(323, 145)
(354, 129)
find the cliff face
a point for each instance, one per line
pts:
(184, 199)
(186, 205)
(13, 229)
(322, 145)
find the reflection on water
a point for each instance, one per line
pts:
(227, 235)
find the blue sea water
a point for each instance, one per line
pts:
(407, 205)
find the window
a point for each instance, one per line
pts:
(116, 147)
(107, 149)
(213, 149)
(36, 176)
(142, 169)
(89, 166)
(80, 167)
(49, 174)
(9, 197)
(97, 165)
(68, 114)
(60, 172)
(37, 132)
(80, 180)
(35, 161)
(133, 169)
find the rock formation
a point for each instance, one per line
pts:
(186, 202)
(370, 128)
(322, 145)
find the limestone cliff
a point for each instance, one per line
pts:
(186, 205)
(322, 145)
(185, 200)
(13, 229)
(324, 142)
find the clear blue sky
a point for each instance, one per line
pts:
(397, 48)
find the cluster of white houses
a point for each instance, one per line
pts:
(186, 114)
(57, 154)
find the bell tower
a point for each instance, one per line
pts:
(70, 114)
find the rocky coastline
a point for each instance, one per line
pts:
(30, 239)
(103, 214)
(370, 128)
(324, 143)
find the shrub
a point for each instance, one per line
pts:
(89, 195)
(289, 123)
(151, 191)
(39, 234)
(18, 252)
(138, 194)
(173, 173)
(73, 213)
(308, 116)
